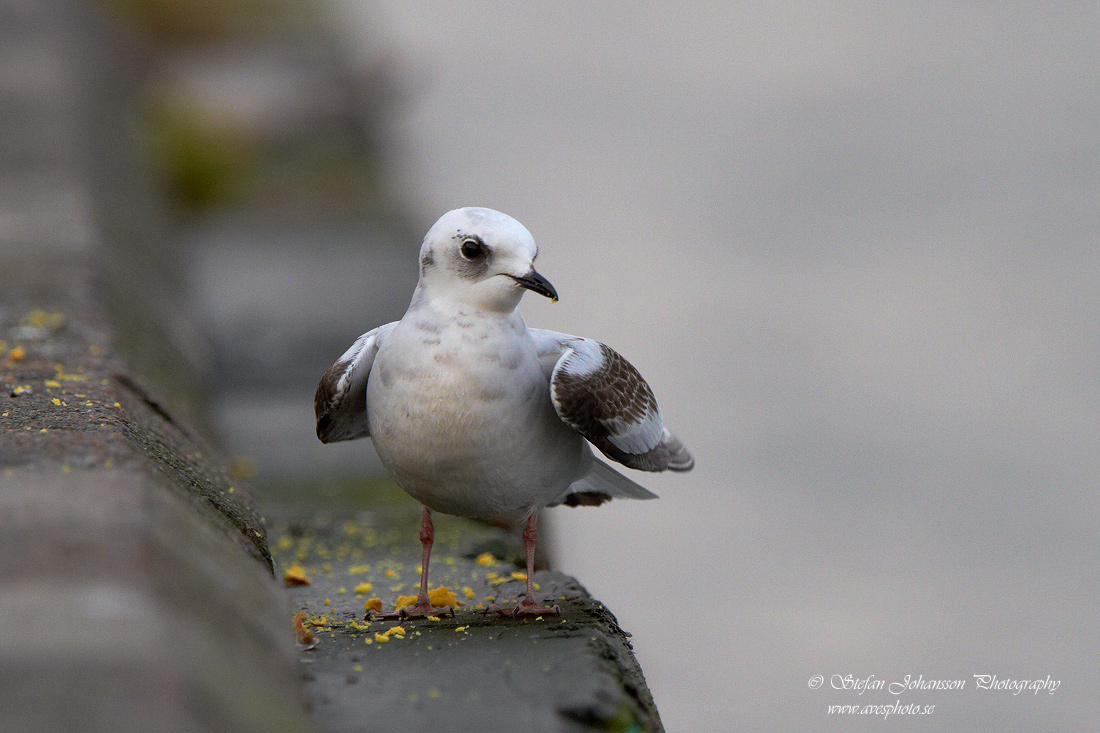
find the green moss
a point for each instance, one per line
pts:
(205, 163)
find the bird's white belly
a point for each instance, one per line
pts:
(470, 431)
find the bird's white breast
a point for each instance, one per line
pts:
(460, 415)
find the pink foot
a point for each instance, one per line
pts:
(526, 609)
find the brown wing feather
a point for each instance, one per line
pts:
(602, 396)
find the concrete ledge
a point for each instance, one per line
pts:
(573, 672)
(137, 587)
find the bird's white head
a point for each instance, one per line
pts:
(482, 258)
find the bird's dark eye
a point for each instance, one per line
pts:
(473, 249)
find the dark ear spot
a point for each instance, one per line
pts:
(426, 261)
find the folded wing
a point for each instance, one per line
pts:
(340, 402)
(603, 397)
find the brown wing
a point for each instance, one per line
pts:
(603, 397)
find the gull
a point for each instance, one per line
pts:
(476, 415)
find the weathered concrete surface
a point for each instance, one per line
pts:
(137, 592)
(474, 671)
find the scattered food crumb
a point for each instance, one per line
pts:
(442, 596)
(296, 575)
(486, 559)
(373, 604)
(305, 637)
(364, 588)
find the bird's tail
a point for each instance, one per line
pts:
(601, 483)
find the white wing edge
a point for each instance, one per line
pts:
(340, 403)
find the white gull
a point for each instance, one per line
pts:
(474, 414)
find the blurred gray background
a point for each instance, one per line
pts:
(852, 247)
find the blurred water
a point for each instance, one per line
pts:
(853, 249)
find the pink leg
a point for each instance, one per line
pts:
(422, 607)
(527, 606)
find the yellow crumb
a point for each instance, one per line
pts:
(358, 569)
(357, 668)
(318, 621)
(403, 602)
(519, 576)
(17, 354)
(364, 588)
(374, 604)
(381, 638)
(328, 601)
(486, 559)
(341, 590)
(468, 592)
(296, 575)
(442, 596)
(390, 573)
(368, 640)
(460, 628)
(52, 383)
